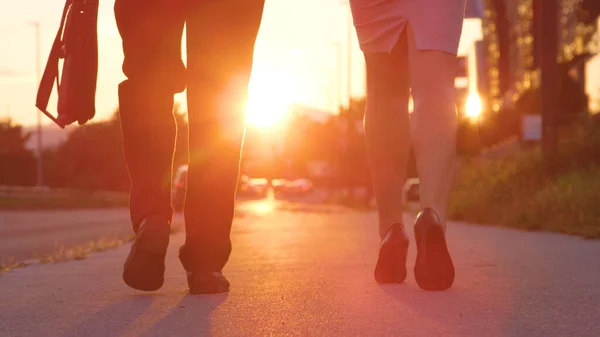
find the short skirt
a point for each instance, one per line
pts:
(437, 24)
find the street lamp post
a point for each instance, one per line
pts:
(349, 56)
(349, 38)
(338, 49)
(38, 68)
(349, 120)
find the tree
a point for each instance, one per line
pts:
(12, 137)
(91, 158)
(18, 163)
(589, 11)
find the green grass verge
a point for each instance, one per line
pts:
(526, 192)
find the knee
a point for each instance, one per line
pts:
(434, 95)
(155, 71)
(435, 105)
(434, 119)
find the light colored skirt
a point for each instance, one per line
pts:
(437, 24)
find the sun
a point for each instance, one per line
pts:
(269, 99)
(473, 107)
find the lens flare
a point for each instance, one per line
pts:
(473, 107)
(270, 96)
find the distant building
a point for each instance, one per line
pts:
(510, 50)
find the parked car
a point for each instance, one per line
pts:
(299, 186)
(179, 187)
(292, 187)
(256, 187)
(278, 185)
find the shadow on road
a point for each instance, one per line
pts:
(436, 304)
(191, 316)
(113, 319)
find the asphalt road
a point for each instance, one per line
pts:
(35, 234)
(308, 272)
(28, 235)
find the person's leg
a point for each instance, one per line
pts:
(220, 45)
(151, 34)
(388, 143)
(434, 125)
(387, 130)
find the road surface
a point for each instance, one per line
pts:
(308, 272)
(36, 234)
(26, 235)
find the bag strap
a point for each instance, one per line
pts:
(51, 70)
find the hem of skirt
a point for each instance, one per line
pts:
(387, 47)
(380, 47)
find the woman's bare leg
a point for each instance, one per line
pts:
(434, 123)
(387, 130)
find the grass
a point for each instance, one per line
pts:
(525, 191)
(82, 252)
(10, 264)
(77, 252)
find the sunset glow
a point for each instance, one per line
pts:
(269, 99)
(473, 107)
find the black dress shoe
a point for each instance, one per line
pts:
(434, 270)
(145, 266)
(391, 265)
(207, 282)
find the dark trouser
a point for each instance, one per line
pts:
(220, 46)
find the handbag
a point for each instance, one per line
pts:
(76, 43)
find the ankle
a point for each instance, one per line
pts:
(437, 219)
(397, 230)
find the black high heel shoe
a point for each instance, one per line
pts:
(391, 265)
(434, 270)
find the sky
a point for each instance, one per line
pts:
(294, 54)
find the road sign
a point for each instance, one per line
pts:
(531, 126)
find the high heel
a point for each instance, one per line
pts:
(391, 264)
(434, 270)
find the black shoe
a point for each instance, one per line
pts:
(391, 265)
(207, 282)
(434, 270)
(145, 266)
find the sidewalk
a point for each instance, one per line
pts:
(310, 274)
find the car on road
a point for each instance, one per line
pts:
(254, 187)
(278, 185)
(300, 186)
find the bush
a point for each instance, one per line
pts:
(17, 163)
(90, 159)
(530, 192)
